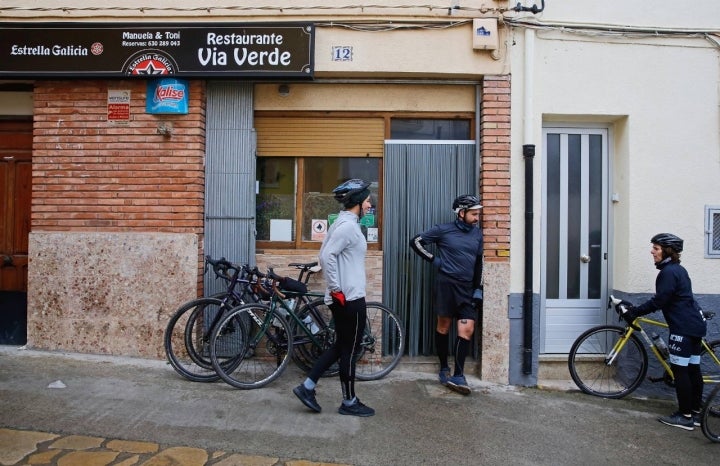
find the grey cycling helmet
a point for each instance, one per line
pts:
(668, 240)
(352, 192)
(466, 202)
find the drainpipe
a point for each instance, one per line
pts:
(528, 155)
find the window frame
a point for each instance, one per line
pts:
(299, 243)
(710, 211)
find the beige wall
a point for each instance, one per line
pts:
(367, 97)
(425, 53)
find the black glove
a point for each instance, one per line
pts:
(630, 314)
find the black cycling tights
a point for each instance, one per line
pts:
(349, 327)
(688, 387)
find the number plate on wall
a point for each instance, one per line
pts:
(342, 53)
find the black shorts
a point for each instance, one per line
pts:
(453, 298)
(684, 350)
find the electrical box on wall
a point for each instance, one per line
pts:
(485, 34)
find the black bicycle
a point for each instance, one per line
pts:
(187, 334)
(282, 330)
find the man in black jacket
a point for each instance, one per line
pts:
(673, 294)
(458, 285)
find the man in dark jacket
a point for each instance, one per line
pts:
(674, 296)
(458, 285)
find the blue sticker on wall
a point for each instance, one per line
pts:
(167, 95)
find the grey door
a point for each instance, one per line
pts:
(574, 252)
(229, 176)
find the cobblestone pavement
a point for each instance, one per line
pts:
(23, 447)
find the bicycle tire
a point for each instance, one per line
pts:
(590, 372)
(186, 339)
(710, 369)
(263, 355)
(710, 416)
(305, 352)
(383, 343)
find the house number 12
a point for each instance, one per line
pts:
(342, 53)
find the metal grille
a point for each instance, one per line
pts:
(420, 183)
(712, 229)
(229, 176)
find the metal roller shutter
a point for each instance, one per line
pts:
(319, 137)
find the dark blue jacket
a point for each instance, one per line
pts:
(673, 294)
(460, 250)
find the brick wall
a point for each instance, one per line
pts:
(92, 175)
(495, 168)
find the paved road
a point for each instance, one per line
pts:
(140, 403)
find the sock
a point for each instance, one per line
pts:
(461, 350)
(350, 402)
(441, 344)
(309, 384)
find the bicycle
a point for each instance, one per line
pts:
(278, 331)
(187, 334)
(710, 416)
(610, 361)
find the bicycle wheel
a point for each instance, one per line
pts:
(710, 416)
(382, 345)
(305, 352)
(593, 372)
(708, 365)
(264, 352)
(187, 338)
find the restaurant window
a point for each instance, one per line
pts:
(430, 129)
(295, 205)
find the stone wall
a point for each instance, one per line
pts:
(107, 293)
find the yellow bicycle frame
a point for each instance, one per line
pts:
(629, 330)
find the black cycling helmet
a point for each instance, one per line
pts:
(352, 192)
(668, 240)
(466, 202)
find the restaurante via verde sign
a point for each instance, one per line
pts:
(200, 50)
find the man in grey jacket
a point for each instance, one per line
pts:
(342, 257)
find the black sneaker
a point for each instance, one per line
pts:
(678, 420)
(356, 409)
(307, 397)
(697, 417)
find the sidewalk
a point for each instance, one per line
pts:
(124, 411)
(20, 447)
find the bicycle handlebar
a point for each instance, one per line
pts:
(620, 308)
(222, 267)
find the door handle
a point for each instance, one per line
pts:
(584, 258)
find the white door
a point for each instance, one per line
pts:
(574, 226)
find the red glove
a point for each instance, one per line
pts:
(338, 297)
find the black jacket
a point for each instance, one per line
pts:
(673, 294)
(460, 250)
